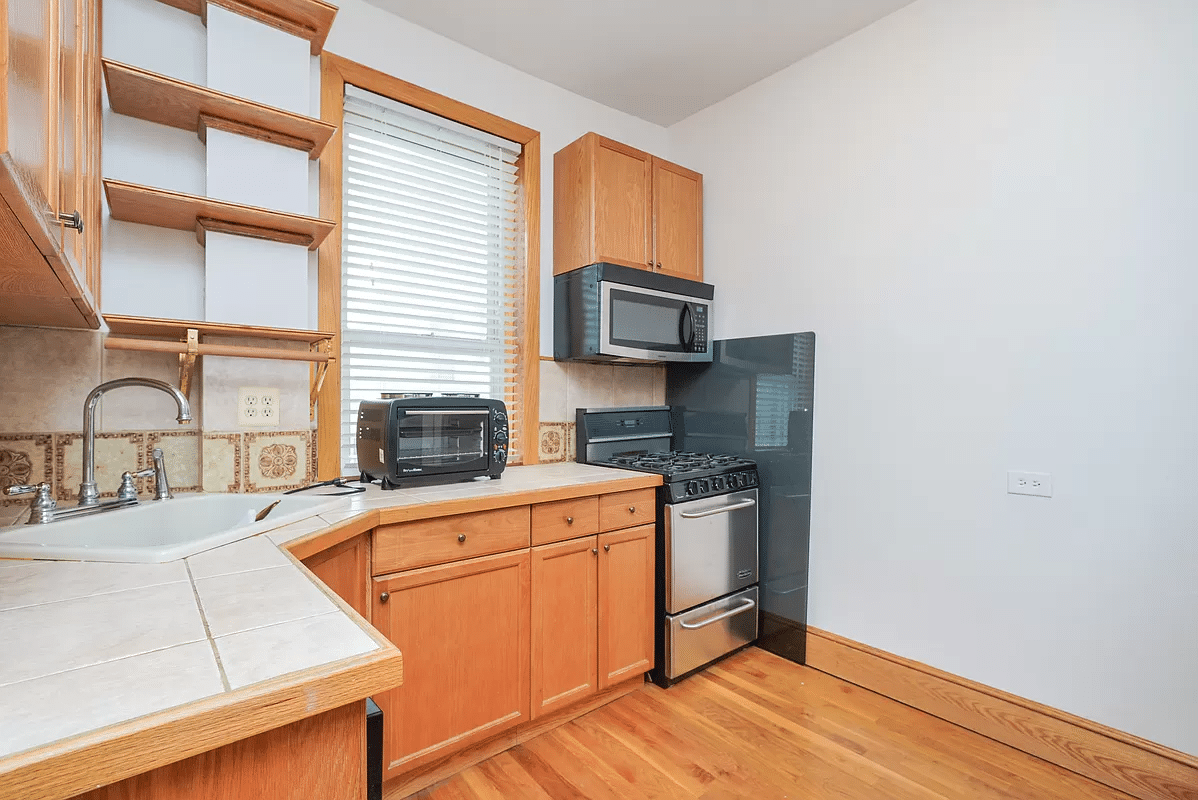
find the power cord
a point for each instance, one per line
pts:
(338, 483)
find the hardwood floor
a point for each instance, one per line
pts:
(758, 726)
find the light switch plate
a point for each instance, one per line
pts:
(257, 407)
(1037, 484)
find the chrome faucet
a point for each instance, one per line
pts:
(88, 494)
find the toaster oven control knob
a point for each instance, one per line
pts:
(501, 436)
(501, 454)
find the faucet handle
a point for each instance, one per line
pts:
(42, 508)
(128, 490)
(21, 488)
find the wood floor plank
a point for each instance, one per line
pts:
(757, 726)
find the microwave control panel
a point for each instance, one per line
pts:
(699, 344)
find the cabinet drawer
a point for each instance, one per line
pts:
(625, 509)
(435, 541)
(565, 519)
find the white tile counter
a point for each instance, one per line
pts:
(88, 646)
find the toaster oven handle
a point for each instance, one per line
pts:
(732, 612)
(717, 510)
(422, 412)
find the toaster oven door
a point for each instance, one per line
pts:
(432, 441)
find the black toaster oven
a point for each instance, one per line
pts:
(425, 440)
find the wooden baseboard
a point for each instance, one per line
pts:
(1141, 768)
(422, 778)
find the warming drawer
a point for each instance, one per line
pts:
(710, 631)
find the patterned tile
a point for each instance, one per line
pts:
(276, 462)
(115, 453)
(220, 459)
(25, 459)
(181, 450)
(553, 442)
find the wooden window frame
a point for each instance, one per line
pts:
(335, 73)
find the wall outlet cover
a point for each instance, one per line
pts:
(257, 407)
(1037, 484)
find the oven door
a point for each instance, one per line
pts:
(432, 441)
(649, 324)
(710, 548)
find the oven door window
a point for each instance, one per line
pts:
(435, 441)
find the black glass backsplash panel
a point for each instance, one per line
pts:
(755, 399)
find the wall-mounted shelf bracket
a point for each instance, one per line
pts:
(321, 369)
(187, 360)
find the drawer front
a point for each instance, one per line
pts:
(565, 519)
(705, 633)
(625, 509)
(435, 541)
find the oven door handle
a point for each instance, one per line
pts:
(448, 412)
(720, 510)
(732, 612)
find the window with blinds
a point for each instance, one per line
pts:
(432, 270)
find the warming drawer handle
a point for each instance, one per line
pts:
(732, 612)
(720, 510)
(448, 412)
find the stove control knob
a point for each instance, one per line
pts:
(734, 481)
(717, 483)
(704, 486)
(692, 487)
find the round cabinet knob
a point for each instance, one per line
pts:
(569, 520)
(659, 265)
(607, 548)
(461, 537)
(594, 551)
(632, 509)
(384, 597)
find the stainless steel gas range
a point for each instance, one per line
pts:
(706, 535)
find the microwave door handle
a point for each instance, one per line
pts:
(686, 327)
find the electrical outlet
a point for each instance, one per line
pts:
(257, 407)
(1038, 484)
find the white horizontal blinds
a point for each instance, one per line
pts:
(432, 260)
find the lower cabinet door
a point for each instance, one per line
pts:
(463, 629)
(626, 560)
(345, 569)
(564, 623)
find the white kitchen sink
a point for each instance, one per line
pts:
(156, 531)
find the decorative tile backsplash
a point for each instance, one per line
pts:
(195, 461)
(556, 442)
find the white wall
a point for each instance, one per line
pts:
(988, 212)
(388, 43)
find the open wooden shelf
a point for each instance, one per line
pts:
(124, 325)
(307, 19)
(136, 92)
(158, 335)
(163, 208)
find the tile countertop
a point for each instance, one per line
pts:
(91, 646)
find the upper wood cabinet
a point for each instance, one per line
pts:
(49, 164)
(614, 203)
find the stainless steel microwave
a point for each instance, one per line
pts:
(421, 440)
(609, 312)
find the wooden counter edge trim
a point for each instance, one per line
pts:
(67, 768)
(465, 505)
(423, 777)
(1120, 760)
(318, 541)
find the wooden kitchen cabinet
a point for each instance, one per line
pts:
(464, 631)
(614, 203)
(592, 610)
(565, 623)
(625, 608)
(49, 160)
(345, 569)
